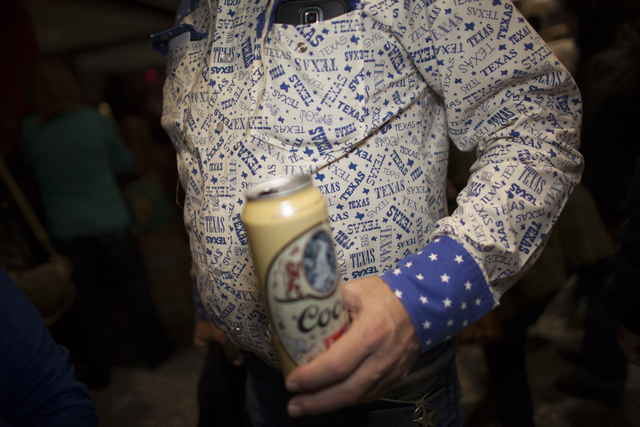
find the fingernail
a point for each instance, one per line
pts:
(292, 386)
(295, 411)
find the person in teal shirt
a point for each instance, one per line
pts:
(75, 157)
(76, 154)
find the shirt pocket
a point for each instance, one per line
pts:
(183, 46)
(315, 89)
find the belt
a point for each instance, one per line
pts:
(425, 414)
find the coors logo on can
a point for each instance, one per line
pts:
(302, 292)
(290, 238)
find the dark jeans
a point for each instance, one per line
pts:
(102, 263)
(221, 389)
(267, 401)
(506, 360)
(604, 363)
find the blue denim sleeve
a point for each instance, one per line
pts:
(38, 386)
(442, 289)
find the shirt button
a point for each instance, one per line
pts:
(219, 126)
(236, 331)
(302, 47)
(226, 57)
(217, 272)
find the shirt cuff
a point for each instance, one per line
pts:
(442, 289)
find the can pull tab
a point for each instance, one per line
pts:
(268, 190)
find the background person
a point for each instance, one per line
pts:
(75, 154)
(623, 291)
(608, 75)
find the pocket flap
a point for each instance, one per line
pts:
(160, 41)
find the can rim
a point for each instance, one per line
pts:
(278, 186)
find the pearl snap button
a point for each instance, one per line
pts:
(219, 126)
(302, 47)
(217, 272)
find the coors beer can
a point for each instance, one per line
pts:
(289, 235)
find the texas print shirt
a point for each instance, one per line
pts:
(366, 103)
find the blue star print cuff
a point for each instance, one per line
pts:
(442, 289)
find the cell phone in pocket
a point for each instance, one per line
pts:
(301, 12)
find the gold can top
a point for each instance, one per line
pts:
(278, 186)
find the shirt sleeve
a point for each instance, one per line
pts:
(442, 289)
(37, 383)
(198, 307)
(508, 98)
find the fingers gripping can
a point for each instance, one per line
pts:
(287, 225)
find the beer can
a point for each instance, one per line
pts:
(289, 234)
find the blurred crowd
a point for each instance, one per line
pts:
(118, 175)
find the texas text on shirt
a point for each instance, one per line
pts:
(366, 103)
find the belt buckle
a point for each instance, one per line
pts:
(425, 415)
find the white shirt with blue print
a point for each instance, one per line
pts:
(366, 102)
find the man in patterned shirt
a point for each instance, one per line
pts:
(366, 103)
